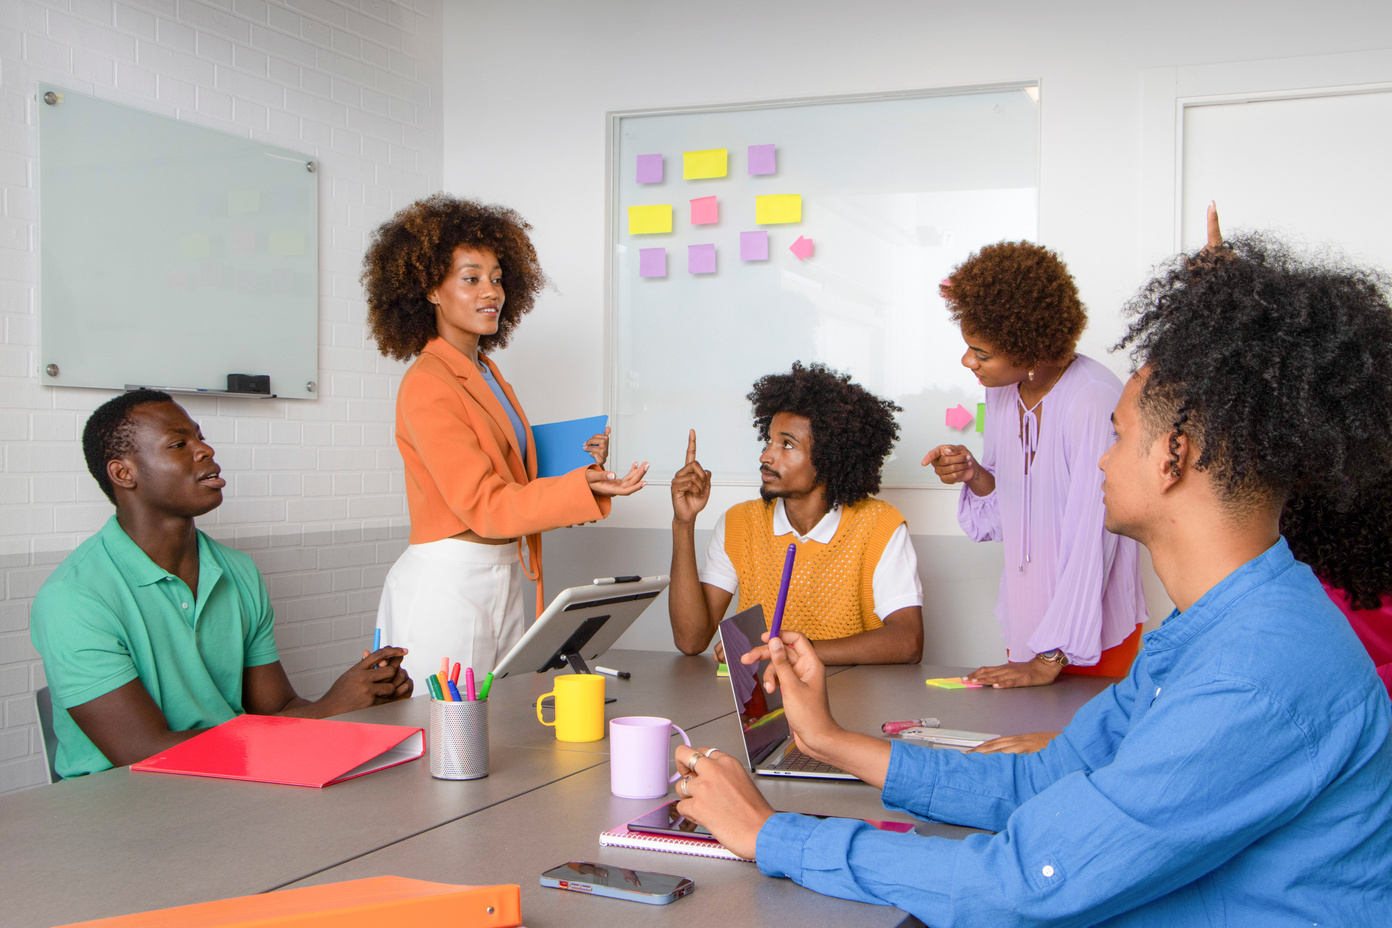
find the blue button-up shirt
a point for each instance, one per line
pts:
(1240, 775)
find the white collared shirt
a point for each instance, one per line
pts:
(895, 582)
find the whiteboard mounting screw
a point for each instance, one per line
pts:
(311, 386)
(309, 166)
(53, 99)
(51, 370)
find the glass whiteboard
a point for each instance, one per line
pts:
(895, 190)
(172, 255)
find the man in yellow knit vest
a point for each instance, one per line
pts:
(855, 589)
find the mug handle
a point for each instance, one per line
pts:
(686, 741)
(540, 699)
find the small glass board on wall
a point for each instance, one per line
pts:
(172, 255)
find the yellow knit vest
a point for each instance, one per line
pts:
(831, 594)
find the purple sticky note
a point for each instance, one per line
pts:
(700, 259)
(649, 169)
(753, 246)
(652, 262)
(762, 159)
(704, 211)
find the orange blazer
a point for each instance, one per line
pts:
(464, 469)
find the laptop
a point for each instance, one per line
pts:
(769, 749)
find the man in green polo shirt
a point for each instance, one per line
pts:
(151, 631)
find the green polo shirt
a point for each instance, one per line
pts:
(109, 615)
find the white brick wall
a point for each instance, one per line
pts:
(316, 492)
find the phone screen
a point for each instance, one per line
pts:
(642, 882)
(668, 821)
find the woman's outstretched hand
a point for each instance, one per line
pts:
(607, 483)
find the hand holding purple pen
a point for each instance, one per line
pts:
(894, 728)
(777, 625)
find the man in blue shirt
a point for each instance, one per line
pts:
(151, 631)
(1242, 773)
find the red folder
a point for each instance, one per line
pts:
(297, 752)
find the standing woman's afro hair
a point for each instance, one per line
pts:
(1276, 366)
(411, 253)
(853, 430)
(1020, 297)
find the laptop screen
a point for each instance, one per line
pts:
(761, 713)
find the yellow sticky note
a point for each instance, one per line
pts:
(775, 208)
(286, 243)
(713, 162)
(648, 220)
(194, 245)
(247, 200)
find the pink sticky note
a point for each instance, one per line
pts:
(959, 418)
(649, 169)
(802, 248)
(704, 211)
(700, 259)
(244, 241)
(652, 262)
(762, 159)
(753, 246)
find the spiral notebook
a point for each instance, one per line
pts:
(695, 847)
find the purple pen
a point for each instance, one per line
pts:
(894, 728)
(777, 625)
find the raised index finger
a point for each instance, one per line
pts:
(1215, 234)
(691, 447)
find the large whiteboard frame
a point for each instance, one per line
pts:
(878, 230)
(172, 255)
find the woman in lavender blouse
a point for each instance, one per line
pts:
(1070, 596)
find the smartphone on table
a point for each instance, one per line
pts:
(581, 876)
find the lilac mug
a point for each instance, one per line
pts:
(640, 754)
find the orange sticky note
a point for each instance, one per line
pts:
(713, 162)
(650, 220)
(775, 208)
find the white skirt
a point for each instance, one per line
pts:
(454, 599)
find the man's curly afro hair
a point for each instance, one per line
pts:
(853, 430)
(410, 255)
(1349, 549)
(1274, 365)
(110, 434)
(1020, 297)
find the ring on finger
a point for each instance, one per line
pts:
(682, 788)
(691, 764)
(709, 751)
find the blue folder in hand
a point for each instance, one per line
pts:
(560, 446)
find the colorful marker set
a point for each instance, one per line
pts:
(444, 685)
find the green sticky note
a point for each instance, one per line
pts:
(981, 417)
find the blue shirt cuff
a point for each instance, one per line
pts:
(778, 850)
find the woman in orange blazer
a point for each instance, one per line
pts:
(436, 276)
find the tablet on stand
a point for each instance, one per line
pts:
(580, 624)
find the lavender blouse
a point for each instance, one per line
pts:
(1068, 582)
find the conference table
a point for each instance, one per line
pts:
(118, 842)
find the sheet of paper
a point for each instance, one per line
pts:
(762, 159)
(650, 220)
(778, 207)
(952, 683)
(649, 169)
(560, 446)
(713, 162)
(753, 246)
(652, 262)
(700, 259)
(704, 211)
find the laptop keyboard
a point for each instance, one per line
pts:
(803, 763)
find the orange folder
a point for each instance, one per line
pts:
(296, 752)
(372, 903)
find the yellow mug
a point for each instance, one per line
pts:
(579, 707)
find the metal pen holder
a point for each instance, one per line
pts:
(458, 739)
